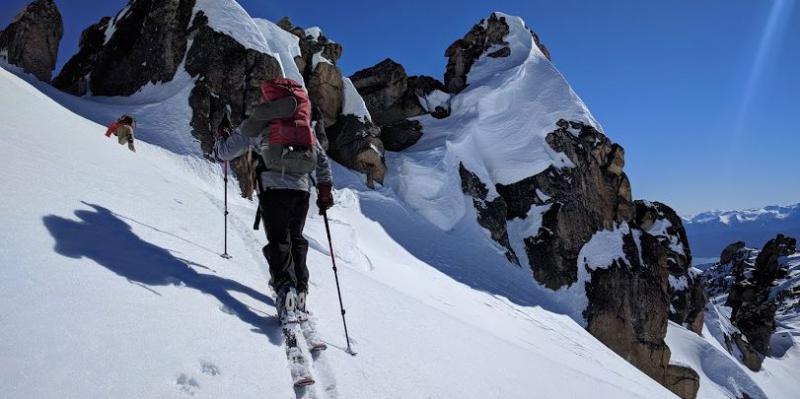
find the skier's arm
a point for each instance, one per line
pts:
(226, 149)
(263, 113)
(323, 170)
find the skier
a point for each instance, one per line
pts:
(123, 129)
(280, 130)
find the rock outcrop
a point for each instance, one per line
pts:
(144, 43)
(490, 33)
(752, 307)
(74, 76)
(31, 41)
(392, 97)
(147, 42)
(629, 300)
(385, 89)
(594, 195)
(229, 75)
(757, 286)
(356, 144)
(317, 64)
(687, 294)
(464, 52)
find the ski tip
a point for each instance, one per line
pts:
(318, 348)
(304, 382)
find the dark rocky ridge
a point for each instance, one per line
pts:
(629, 302)
(152, 38)
(747, 279)
(465, 51)
(73, 76)
(392, 97)
(752, 308)
(384, 88)
(150, 41)
(148, 44)
(31, 40)
(686, 302)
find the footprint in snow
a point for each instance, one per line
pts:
(209, 368)
(187, 384)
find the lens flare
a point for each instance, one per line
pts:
(774, 29)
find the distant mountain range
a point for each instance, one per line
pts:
(709, 232)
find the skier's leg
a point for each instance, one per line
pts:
(297, 221)
(275, 213)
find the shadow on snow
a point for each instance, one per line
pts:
(105, 238)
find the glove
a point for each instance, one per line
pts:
(222, 133)
(324, 197)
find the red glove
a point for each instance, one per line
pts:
(222, 133)
(324, 197)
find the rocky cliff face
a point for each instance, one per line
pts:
(392, 98)
(31, 40)
(631, 296)
(757, 287)
(687, 294)
(149, 42)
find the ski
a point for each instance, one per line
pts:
(309, 329)
(298, 365)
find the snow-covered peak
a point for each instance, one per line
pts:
(515, 102)
(228, 17)
(314, 32)
(771, 212)
(497, 129)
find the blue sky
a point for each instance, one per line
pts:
(702, 94)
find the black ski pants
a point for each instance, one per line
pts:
(284, 214)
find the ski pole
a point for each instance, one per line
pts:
(225, 253)
(336, 276)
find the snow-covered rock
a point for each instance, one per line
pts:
(756, 297)
(687, 295)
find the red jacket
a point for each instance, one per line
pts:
(112, 128)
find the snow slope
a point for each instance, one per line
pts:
(112, 286)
